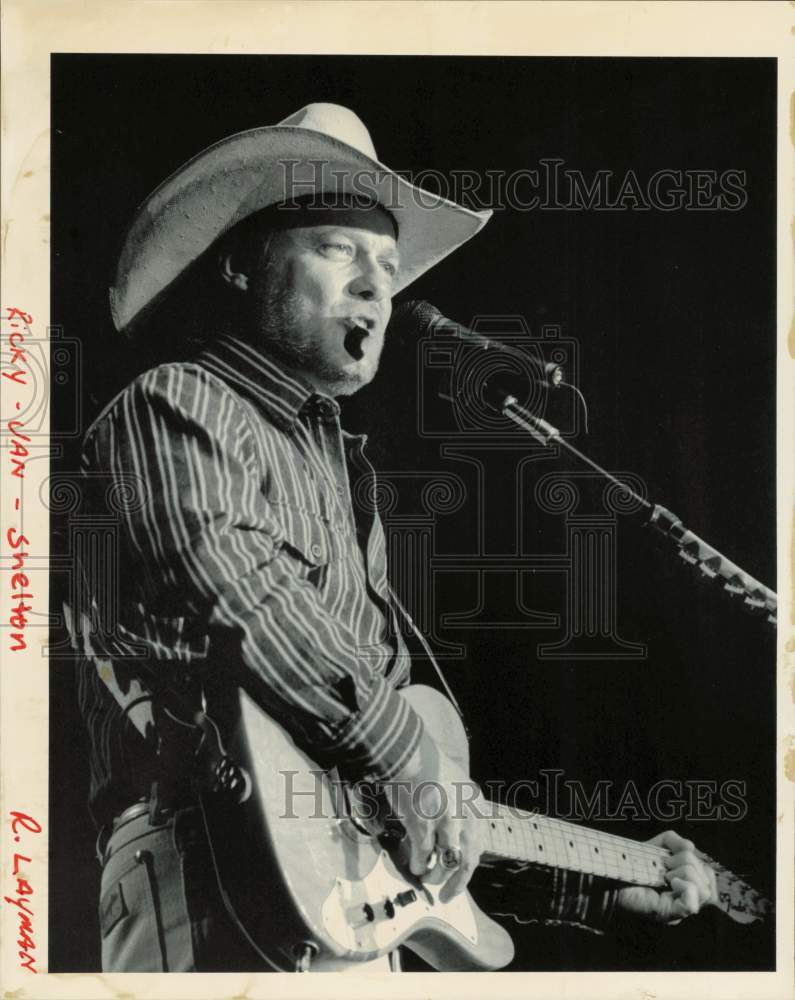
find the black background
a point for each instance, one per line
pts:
(674, 317)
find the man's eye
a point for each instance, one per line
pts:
(389, 267)
(341, 249)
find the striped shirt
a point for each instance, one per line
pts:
(256, 543)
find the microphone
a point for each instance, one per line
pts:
(415, 319)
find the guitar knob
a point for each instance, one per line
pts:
(303, 954)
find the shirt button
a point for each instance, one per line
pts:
(316, 550)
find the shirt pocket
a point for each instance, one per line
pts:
(310, 540)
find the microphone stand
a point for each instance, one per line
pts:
(714, 565)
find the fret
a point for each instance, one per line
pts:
(522, 836)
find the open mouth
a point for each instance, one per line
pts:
(354, 338)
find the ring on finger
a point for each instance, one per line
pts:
(450, 857)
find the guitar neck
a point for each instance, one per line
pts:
(529, 837)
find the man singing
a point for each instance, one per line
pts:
(247, 560)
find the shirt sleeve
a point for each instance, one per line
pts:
(537, 894)
(206, 544)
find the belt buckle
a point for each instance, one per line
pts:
(132, 812)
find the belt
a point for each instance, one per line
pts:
(136, 809)
(144, 806)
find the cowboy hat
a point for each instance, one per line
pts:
(321, 148)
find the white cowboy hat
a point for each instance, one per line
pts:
(321, 148)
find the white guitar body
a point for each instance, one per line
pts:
(327, 886)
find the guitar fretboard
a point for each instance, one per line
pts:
(514, 834)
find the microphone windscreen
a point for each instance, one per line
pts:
(413, 319)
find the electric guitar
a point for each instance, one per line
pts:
(311, 882)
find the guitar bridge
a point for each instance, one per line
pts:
(368, 917)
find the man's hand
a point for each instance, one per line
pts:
(692, 885)
(438, 804)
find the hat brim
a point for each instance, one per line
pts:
(266, 166)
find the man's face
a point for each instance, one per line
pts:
(322, 297)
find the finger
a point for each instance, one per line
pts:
(688, 859)
(450, 846)
(712, 882)
(672, 840)
(694, 875)
(682, 858)
(685, 902)
(458, 880)
(421, 846)
(450, 856)
(707, 873)
(676, 858)
(687, 865)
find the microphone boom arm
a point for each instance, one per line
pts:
(693, 549)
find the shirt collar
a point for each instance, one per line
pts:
(282, 394)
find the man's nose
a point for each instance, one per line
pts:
(372, 283)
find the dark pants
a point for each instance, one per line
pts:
(160, 906)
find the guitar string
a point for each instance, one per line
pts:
(610, 855)
(582, 832)
(600, 838)
(555, 850)
(612, 841)
(628, 870)
(634, 856)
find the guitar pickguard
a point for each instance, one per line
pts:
(371, 914)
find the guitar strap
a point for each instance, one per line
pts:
(402, 612)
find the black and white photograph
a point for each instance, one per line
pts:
(411, 489)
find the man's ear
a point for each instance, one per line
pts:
(228, 268)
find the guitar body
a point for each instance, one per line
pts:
(303, 878)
